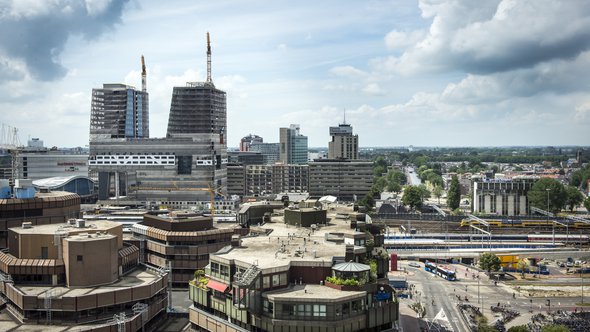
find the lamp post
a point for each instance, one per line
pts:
(582, 277)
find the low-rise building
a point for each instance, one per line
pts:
(180, 241)
(78, 273)
(44, 208)
(295, 279)
(504, 197)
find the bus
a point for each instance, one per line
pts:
(440, 271)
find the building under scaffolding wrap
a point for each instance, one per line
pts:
(119, 111)
(183, 169)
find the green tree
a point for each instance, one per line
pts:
(522, 265)
(396, 176)
(394, 187)
(420, 160)
(368, 201)
(555, 328)
(379, 184)
(580, 178)
(412, 197)
(419, 309)
(424, 192)
(587, 204)
(519, 328)
(573, 197)
(547, 189)
(489, 262)
(437, 192)
(454, 194)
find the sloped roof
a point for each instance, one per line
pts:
(351, 267)
(57, 181)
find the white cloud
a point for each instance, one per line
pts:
(583, 112)
(399, 40)
(348, 71)
(373, 89)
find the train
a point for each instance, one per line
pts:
(526, 223)
(580, 239)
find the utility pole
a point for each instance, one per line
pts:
(553, 228)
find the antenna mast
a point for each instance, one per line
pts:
(143, 76)
(209, 59)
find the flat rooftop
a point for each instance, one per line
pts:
(95, 225)
(287, 244)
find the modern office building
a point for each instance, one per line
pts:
(269, 151)
(180, 170)
(293, 145)
(258, 180)
(347, 180)
(245, 157)
(79, 274)
(181, 241)
(270, 179)
(282, 282)
(344, 145)
(290, 178)
(506, 197)
(236, 179)
(246, 141)
(37, 162)
(119, 111)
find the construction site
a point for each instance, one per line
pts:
(182, 170)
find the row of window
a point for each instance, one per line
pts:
(98, 157)
(131, 162)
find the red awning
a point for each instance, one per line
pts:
(218, 286)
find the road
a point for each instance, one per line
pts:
(413, 178)
(435, 294)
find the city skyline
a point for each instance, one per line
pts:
(416, 73)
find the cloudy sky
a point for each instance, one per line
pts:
(422, 73)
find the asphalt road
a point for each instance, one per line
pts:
(435, 294)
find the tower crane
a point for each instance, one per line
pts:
(143, 76)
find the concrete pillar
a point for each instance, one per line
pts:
(510, 202)
(522, 205)
(104, 185)
(117, 184)
(499, 201)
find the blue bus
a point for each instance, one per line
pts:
(440, 271)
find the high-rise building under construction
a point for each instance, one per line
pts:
(186, 167)
(120, 111)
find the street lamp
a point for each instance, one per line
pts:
(581, 277)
